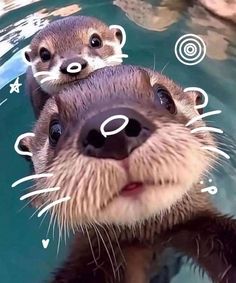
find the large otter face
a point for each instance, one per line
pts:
(129, 176)
(69, 49)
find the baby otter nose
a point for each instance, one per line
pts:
(114, 133)
(73, 66)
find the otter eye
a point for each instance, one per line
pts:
(164, 98)
(44, 54)
(55, 131)
(95, 41)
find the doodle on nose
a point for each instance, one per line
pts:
(74, 67)
(114, 117)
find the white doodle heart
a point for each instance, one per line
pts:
(45, 243)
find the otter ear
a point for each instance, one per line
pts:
(119, 33)
(198, 97)
(27, 56)
(23, 144)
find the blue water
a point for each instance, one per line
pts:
(151, 35)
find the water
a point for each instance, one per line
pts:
(151, 35)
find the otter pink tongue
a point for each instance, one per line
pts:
(132, 189)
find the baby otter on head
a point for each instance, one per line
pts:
(66, 51)
(139, 186)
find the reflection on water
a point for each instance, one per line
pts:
(170, 18)
(152, 17)
(219, 35)
(27, 27)
(8, 5)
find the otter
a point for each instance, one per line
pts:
(129, 195)
(67, 50)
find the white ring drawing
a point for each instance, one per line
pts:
(190, 49)
(123, 33)
(114, 117)
(16, 145)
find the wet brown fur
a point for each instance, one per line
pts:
(191, 224)
(65, 38)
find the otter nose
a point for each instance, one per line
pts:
(73, 66)
(113, 140)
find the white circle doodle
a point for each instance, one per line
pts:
(70, 68)
(204, 104)
(123, 33)
(16, 145)
(190, 49)
(114, 117)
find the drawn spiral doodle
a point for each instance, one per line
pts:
(190, 49)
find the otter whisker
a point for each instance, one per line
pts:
(207, 129)
(41, 223)
(39, 192)
(217, 150)
(31, 177)
(108, 253)
(61, 200)
(199, 117)
(91, 246)
(166, 65)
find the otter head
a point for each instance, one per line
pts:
(125, 177)
(70, 48)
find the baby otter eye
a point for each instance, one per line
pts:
(44, 54)
(55, 131)
(95, 41)
(164, 98)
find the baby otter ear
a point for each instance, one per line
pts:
(198, 97)
(27, 56)
(119, 33)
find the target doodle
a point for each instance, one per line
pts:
(190, 49)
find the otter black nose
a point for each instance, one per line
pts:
(114, 133)
(73, 66)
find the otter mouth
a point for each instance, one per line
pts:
(132, 189)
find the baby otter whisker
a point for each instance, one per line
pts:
(50, 78)
(31, 177)
(199, 117)
(39, 192)
(43, 73)
(207, 129)
(61, 200)
(217, 150)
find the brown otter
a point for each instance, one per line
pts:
(67, 50)
(139, 187)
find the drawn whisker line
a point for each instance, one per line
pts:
(50, 78)
(31, 177)
(53, 204)
(207, 129)
(217, 150)
(199, 117)
(38, 192)
(43, 73)
(1, 103)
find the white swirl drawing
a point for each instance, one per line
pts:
(190, 49)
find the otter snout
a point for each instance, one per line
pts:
(113, 145)
(73, 66)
